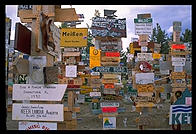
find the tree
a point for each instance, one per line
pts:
(186, 36)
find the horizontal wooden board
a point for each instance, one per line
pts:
(145, 88)
(105, 81)
(109, 63)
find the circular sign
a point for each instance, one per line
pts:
(144, 66)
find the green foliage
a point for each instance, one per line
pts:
(186, 36)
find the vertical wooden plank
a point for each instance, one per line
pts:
(70, 100)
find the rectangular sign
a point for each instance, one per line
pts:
(105, 81)
(180, 114)
(178, 46)
(188, 100)
(145, 88)
(38, 112)
(110, 76)
(109, 59)
(109, 122)
(144, 78)
(144, 49)
(165, 65)
(109, 109)
(49, 92)
(156, 56)
(67, 54)
(102, 27)
(109, 104)
(178, 68)
(178, 63)
(112, 54)
(144, 56)
(110, 69)
(50, 74)
(95, 57)
(71, 71)
(95, 94)
(178, 59)
(144, 20)
(164, 72)
(37, 126)
(143, 28)
(109, 91)
(73, 37)
(143, 16)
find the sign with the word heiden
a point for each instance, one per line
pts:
(37, 126)
(50, 92)
(38, 112)
(180, 114)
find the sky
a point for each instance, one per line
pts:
(162, 14)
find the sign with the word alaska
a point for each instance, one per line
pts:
(37, 112)
(102, 27)
(73, 37)
(50, 92)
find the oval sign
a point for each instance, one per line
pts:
(144, 66)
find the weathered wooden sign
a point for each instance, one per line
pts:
(143, 16)
(178, 75)
(50, 92)
(180, 114)
(37, 112)
(144, 78)
(109, 59)
(109, 76)
(109, 91)
(105, 81)
(145, 88)
(108, 27)
(74, 37)
(50, 75)
(37, 126)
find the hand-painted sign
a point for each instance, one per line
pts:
(50, 92)
(71, 71)
(108, 27)
(37, 126)
(74, 37)
(180, 114)
(94, 57)
(109, 104)
(144, 78)
(178, 46)
(109, 109)
(37, 112)
(109, 122)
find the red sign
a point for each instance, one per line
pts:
(108, 85)
(73, 86)
(109, 109)
(144, 66)
(112, 54)
(178, 46)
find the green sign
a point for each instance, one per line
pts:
(147, 20)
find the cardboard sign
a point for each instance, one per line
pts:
(95, 94)
(144, 78)
(73, 37)
(36, 64)
(37, 126)
(143, 28)
(109, 122)
(51, 92)
(145, 88)
(112, 27)
(94, 57)
(111, 85)
(71, 71)
(109, 104)
(180, 114)
(37, 112)
(144, 56)
(109, 109)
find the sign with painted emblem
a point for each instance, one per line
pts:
(144, 66)
(38, 112)
(180, 114)
(94, 57)
(109, 122)
(71, 71)
(144, 78)
(50, 92)
(37, 126)
(73, 37)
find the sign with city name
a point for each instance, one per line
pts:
(143, 28)
(116, 69)
(109, 104)
(109, 123)
(144, 20)
(37, 112)
(112, 27)
(37, 126)
(108, 59)
(178, 59)
(73, 37)
(109, 76)
(71, 71)
(178, 68)
(112, 54)
(144, 56)
(105, 81)
(144, 78)
(49, 92)
(109, 91)
(180, 114)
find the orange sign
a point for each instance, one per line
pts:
(109, 85)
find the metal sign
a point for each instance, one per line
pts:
(178, 46)
(109, 122)
(144, 66)
(109, 81)
(178, 63)
(144, 78)
(110, 85)
(108, 27)
(144, 48)
(164, 72)
(37, 126)
(156, 56)
(73, 37)
(94, 57)
(144, 20)
(109, 91)
(112, 54)
(165, 65)
(180, 114)
(109, 109)
(49, 92)
(37, 112)
(176, 59)
(143, 28)
(109, 104)
(110, 69)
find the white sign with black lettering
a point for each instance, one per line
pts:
(144, 56)
(143, 28)
(95, 94)
(144, 78)
(50, 92)
(38, 112)
(109, 104)
(71, 71)
(178, 59)
(178, 63)
(37, 126)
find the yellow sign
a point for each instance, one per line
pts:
(156, 56)
(73, 37)
(95, 57)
